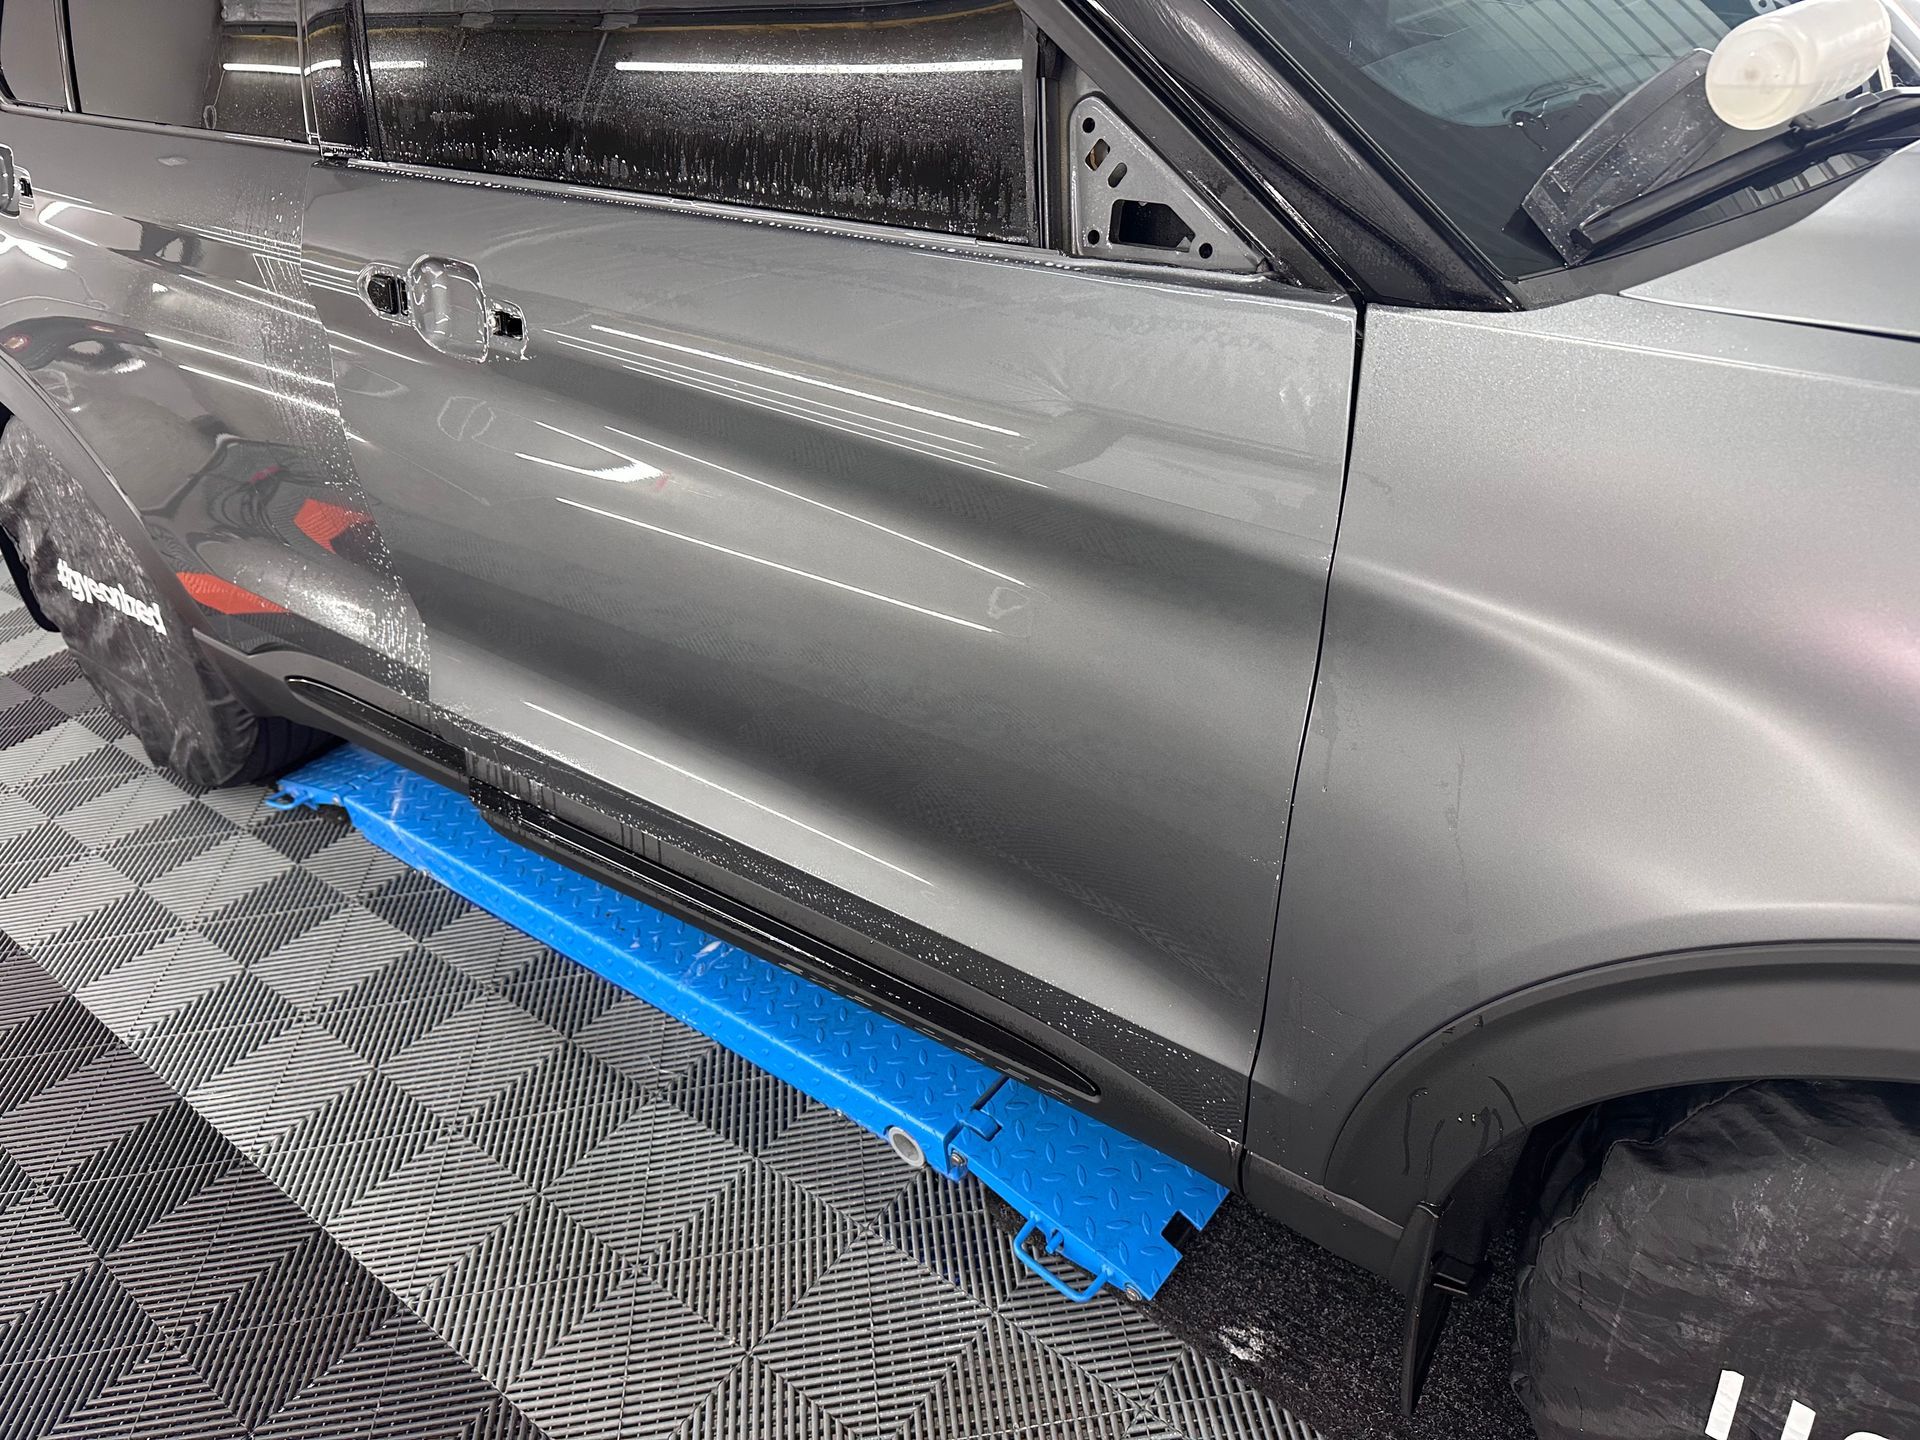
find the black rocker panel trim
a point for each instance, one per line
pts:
(444, 761)
(622, 867)
(782, 944)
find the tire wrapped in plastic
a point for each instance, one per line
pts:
(1758, 1246)
(139, 654)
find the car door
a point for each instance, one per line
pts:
(150, 264)
(749, 444)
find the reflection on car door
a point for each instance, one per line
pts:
(154, 294)
(980, 584)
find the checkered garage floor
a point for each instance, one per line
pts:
(295, 1142)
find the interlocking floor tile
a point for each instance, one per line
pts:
(33, 913)
(549, 1118)
(429, 1215)
(504, 1333)
(44, 1397)
(402, 1382)
(751, 1253)
(1005, 1383)
(158, 1394)
(952, 1232)
(736, 1099)
(1197, 1397)
(471, 1057)
(287, 1079)
(416, 903)
(486, 950)
(753, 1400)
(325, 961)
(88, 1312)
(257, 1370)
(213, 1244)
(171, 973)
(211, 879)
(837, 1160)
(37, 737)
(40, 1254)
(871, 1338)
(634, 1363)
(642, 1043)
(567, 996)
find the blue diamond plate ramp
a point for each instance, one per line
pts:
(1092, 1194)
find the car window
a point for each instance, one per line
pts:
(915, 119)
(30, 57)
(229, 65)
(1473, 99)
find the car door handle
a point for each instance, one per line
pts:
(446, 301)
(9, 182)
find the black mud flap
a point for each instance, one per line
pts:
(1742, 1264)
(87, 580)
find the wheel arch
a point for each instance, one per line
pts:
(1435, 1138)
(1817, 1010)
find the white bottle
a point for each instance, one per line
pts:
(1782, 64)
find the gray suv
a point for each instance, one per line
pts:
(1336, 582)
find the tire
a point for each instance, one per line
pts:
(1756, 1245)
(133, 645)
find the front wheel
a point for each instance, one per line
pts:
(130, 643)
(1741, 1263)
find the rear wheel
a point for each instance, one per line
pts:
(131, 644)
(1736, 1262)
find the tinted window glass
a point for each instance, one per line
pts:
(230, 65)
(915, 120)
(30, 52)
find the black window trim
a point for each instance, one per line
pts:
(10, 106)
(69, 76)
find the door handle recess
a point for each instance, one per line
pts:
(449, 305)
(446, 301)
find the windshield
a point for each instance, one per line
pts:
(1476, 98)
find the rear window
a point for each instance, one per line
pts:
(228, 65)
(917, 119)
(30, 55)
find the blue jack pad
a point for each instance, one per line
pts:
(1094, 1195)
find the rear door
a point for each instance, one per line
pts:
(749, 443)
(150, 288)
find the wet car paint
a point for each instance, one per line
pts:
(170, 324)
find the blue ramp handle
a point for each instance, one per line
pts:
(1027, 1258)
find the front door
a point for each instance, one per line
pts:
(826, 506)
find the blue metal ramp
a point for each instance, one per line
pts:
(1090, 1193)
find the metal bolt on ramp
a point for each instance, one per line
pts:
(1100, 1198)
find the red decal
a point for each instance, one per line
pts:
(225, 596)
(324, 523)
